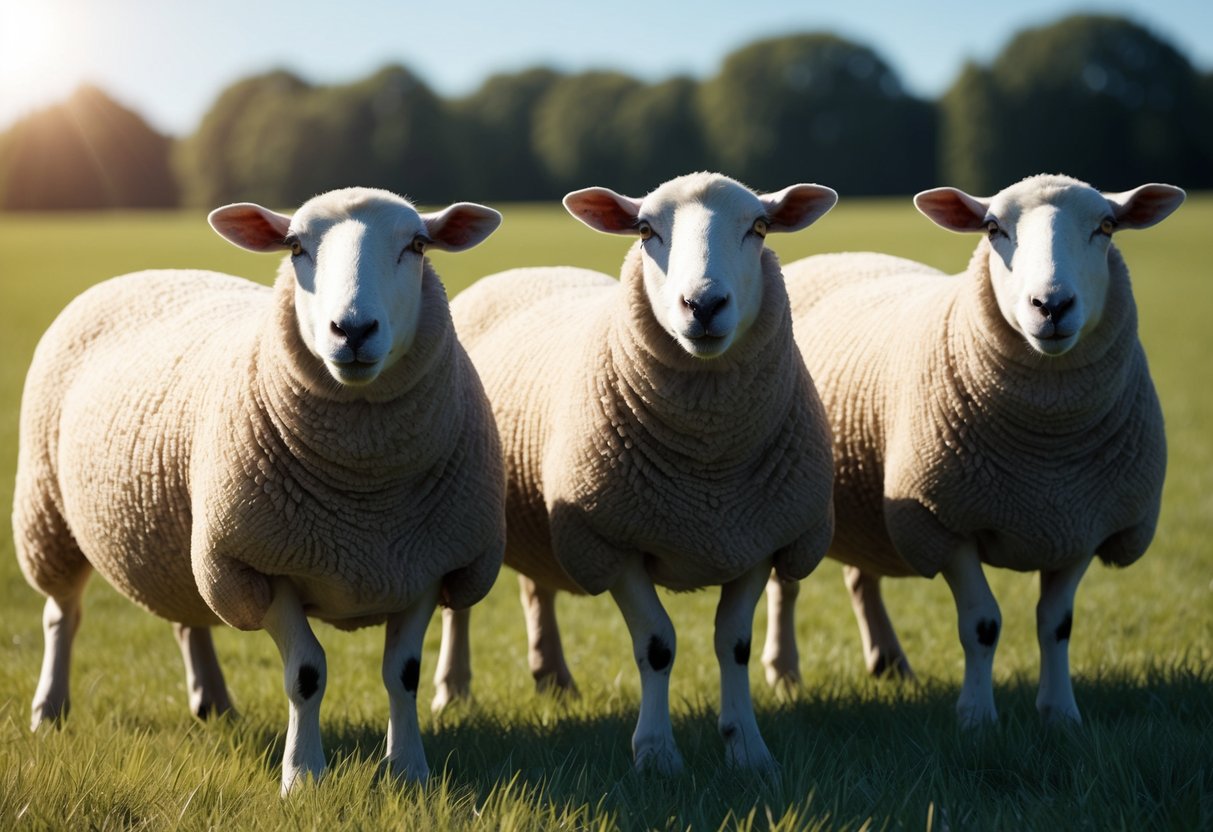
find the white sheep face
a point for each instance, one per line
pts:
(702, 240)
(1050, 237)
(358, 256)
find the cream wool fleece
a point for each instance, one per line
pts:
(177, 436)
(947, 425)
(617, 441)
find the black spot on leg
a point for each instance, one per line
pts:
(881, 666)
(411, 675)
(1063, 629)
(659, 653)
(727, 731)
(741, 651)
(308, 681)
(987, 632)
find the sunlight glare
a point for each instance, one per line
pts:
(39, 62)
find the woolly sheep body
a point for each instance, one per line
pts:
(957, 443)
(180, 437)
(661, 429)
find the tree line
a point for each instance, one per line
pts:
(1098, 97)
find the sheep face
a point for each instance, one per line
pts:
(1049, 238)
(359, 259)
(702, 241)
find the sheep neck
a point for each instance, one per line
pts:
(1081, 397)
(403, 422)
(695, 411)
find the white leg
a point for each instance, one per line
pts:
(881, 650)
(653, 646)
(1054, 616)
(780, 655)
(979, 624)
(305, 675)
(453, 674)
(544, 650)
(405, 633)
(204, 681)
(60, 621)
(743, 745)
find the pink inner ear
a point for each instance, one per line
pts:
(949, 208)
(798, 206)
(457, 229)
(602, 210)
(1148, 205)
(251, 226)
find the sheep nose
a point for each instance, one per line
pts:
(1053, 309)
(706, 308)
(353, 333)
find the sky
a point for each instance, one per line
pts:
(170, 59)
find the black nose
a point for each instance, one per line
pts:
(354, 333)
(706, 308)
(1052, 308)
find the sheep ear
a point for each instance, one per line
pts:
(251, 226)
(604, 210)
(460, 226)
(1146, 205)
(798, 206)
(953, 209)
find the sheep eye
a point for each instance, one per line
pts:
(419, 244)
(993, 228)
(296, 246)
(760, 227)
(645, 230)
(1107, 226)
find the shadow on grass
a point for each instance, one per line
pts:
(884, 752)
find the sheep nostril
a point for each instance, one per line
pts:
(704, 311)
(354, 334)
(1053, 310)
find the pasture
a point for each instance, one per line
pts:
(854, 753)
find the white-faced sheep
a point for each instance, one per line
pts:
(1003, 416)
(659, 429)
(226, 452)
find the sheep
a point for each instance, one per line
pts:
(661, 429)
(1004, 416)
(226, 452)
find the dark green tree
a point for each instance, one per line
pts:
(968, 132)
(815, 107)
(659, 135)
(88, 152)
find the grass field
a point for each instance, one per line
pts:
(854, 753)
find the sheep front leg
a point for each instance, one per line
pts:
(60, 622)
(305, 675)
(453, 674)
(653, 646)
(780, 655)
(881, 650)
(1054, 617)
(545, 652)
(979, 624)
(743, 744)
(405, 633)
(204, 681)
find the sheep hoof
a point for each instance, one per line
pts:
(896, 667)
(293, 777)
(409, 768)
(557, 684)
(751, 756)
(663, 760)
(973, 717)
(783, 679)
(1065, 716)
(450, 695)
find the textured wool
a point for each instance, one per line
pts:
(617, 441)
(178, 437)
(947, 425)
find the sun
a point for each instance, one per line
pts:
(38, 62)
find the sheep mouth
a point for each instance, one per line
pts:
(354, 373)
(706, 345)
(1054, 344)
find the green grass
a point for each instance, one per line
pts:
(854, 754)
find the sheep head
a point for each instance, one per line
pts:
(358, 256)
(1050, 237)
(702, 241)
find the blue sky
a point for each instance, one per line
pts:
(169, 59)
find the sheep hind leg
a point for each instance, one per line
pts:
(653, 647)
(204, 680)
(780, 655)
(403, 638)
(882, 651)
(1054, 617)
(453, 673)
(305, 676)
(979, 625)
(60, 622)
(743, 744)
(544, 649)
